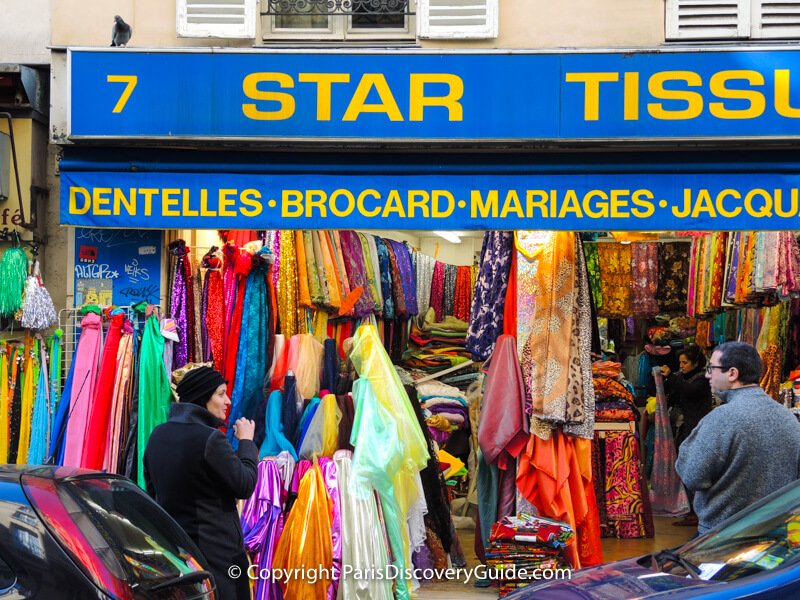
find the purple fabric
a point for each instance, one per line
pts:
(407, 276)
(179, 306)
(353, 257)
(453, 409)
(299, 470)
(203, 325)
(423, 559)
(262, 525)
(328, 468)
(439, 436)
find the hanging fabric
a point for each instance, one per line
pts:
(251, 368)
(86, 361)
(644, 267)
(182, 303)
(306, 539)
(100, 407)
(40, 421)
(288, 296)
(30, 379)
(615, 279)
(424, 277)
(38, 311)
(486, 322)
(668, 496)
(154, 391)
(673, 277)
(120, 404)
(5, 400)
(437, 290)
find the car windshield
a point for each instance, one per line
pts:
(762, 539)
(136, 539)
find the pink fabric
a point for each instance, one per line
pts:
(644, 271)
(83, 382)
(437, 290)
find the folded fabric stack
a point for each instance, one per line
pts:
(526, 542)
(435, 346)
(613, 401)
(445, 409)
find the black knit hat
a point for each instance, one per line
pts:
(198, 385)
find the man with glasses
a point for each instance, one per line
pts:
(745, 449)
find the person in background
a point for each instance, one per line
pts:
(192, 471)
(688, 389)
(742, 451)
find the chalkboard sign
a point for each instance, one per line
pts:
(117, 266)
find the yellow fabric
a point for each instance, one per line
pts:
(440, 423)
(306, 539)
(302, 270)
(456, 464)
(28, 392)
(4, 403)
(320, 325)
(287, 286)
(331, 416)
(651, 405)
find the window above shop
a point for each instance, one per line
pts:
(732, 19)
(339, 20)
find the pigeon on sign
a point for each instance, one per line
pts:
(121, 32)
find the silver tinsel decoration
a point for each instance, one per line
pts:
(38, 310)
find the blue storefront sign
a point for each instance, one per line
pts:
(432, 201)
(422, 96)
(117, 266)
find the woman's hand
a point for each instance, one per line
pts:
(244, 429)
(665, 370)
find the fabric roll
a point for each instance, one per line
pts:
(154, 390)
(330, 365)
(306, 539)
(101, 405)
(251, 367)
(437, 290)
(362, 549)
(449, 295)
(275, 440)
(262, 526)
(386, 278)
(85, 376)
(119, 404)
(424, 277)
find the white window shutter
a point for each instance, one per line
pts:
(774, 19)
(458, 19)
(217, 18)
(707, 19)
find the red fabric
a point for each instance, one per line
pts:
(94, 442)
(510, 307)
(503, 428)
(215, 319)
(243, 264)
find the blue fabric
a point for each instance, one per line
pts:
(251, 358)
(330, 366)
(386, 278)
(40, 421)
(274, 439)
(305, 421)
(60, 428)
(290, 413)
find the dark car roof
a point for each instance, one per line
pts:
(10, 473)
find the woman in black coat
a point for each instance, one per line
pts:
(193, 473)
(688, 389)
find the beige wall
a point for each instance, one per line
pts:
(25, 31)
(523, 24)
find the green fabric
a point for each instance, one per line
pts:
(154, 390)
(488, 484)
(593, 266)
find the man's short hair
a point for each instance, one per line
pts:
(742, 356)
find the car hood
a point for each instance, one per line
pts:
(623, 580)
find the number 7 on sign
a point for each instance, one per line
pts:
(130, 81)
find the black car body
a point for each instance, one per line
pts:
(67, 533)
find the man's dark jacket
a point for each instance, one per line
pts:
(193, 473)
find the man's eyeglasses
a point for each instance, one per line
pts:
(709, 367)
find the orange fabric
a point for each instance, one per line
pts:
(329, 265)
(555, 475)
(302, 270)
(510, 309)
